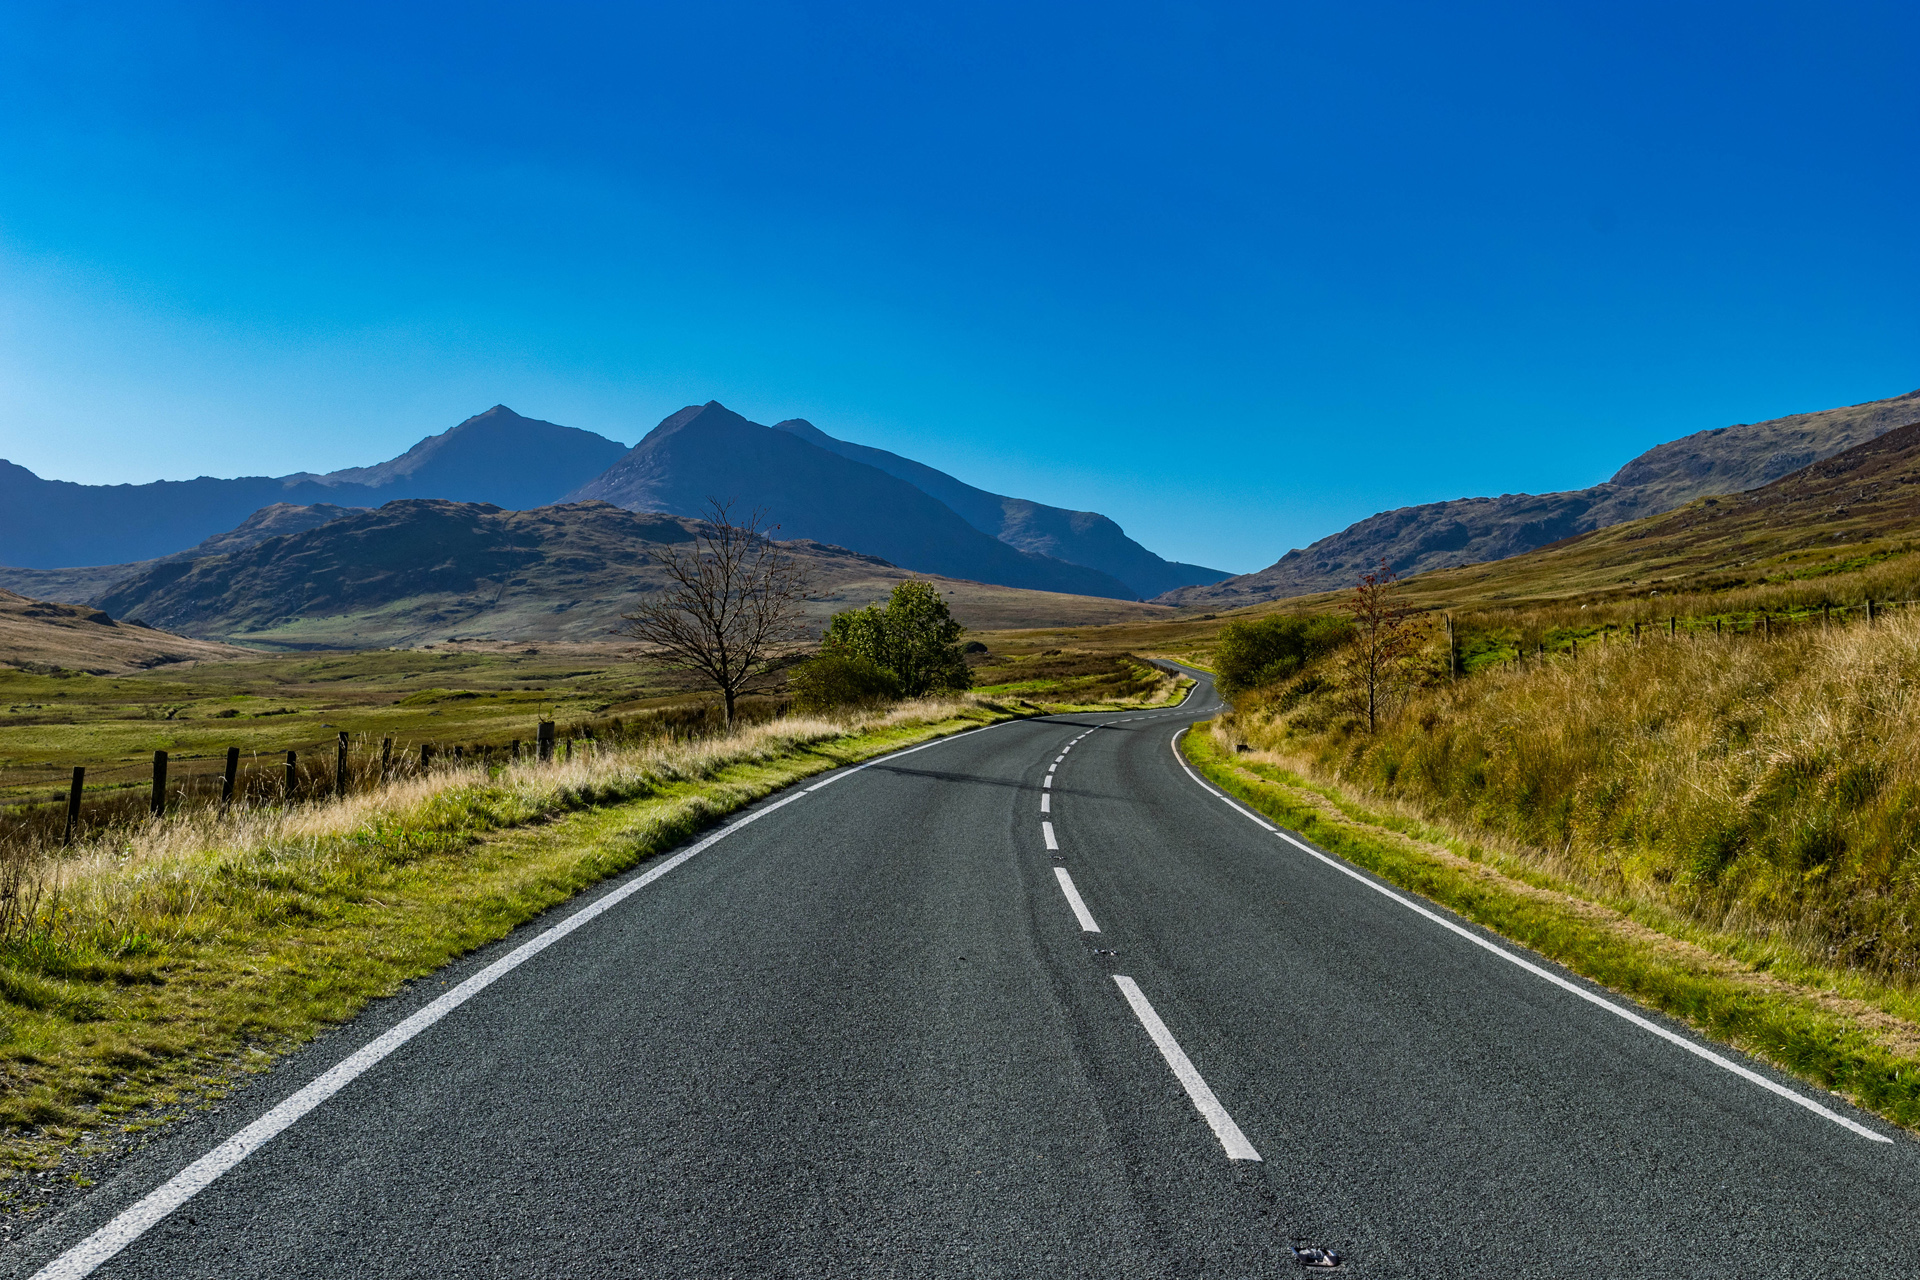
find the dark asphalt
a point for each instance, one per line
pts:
(865, 1036)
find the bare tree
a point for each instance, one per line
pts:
(731, 609)
(1387, 636)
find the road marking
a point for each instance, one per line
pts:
(1238, 1148)
(1053, 766)
(1046, 829)
(1047, 781)
(1080, 912)
(1645, 1024)
(84, 1258)
(1062, 756)
(1045, 806)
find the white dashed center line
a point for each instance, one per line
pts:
(1046, 829)
(1080, 911)
(1238, 1148)
(1045, 802)
(1047, 781)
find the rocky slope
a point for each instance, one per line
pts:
(1078, 537)
(1474, 530)
(707, 452)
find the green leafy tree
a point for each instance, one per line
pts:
(914, 637)
(1252, 652)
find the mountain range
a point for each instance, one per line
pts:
(1437, 535)
(811, 484)
(497, 456)
(421, 569)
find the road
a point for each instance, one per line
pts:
(867, 1032)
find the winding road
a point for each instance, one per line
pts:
(1030, 1001)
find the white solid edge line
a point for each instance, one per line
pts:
(1046, 829)
(134, 1222)
(1080, 912)
(1645, 1024)
(1235, 1142)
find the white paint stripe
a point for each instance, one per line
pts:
(1646, 1024)
(1062, 756)
(1080, 912)
(1053, 766)
(96, 1249)
(1046, 805)
(1238, 1148)
(1046, 829)
(1047, 781)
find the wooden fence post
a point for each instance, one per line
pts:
(426, 756)
(1869, 610)
(1453, 653)
(228, 776)
(340, 767)
(293, 776)
(386, 758)
(546, 742)
(159, 804)
(73, 802)
(1673, 626)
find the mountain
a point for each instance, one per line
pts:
(41, 636)
(1078, 537)
(422, 569)
(1855, 511)
(497, 456)
(1475, 530)
(94, 581)
(708, 451)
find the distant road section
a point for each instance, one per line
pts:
(1032, 1001)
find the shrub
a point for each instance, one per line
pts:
(835, 680)
(1260, 651)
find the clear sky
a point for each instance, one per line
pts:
(1235, 276)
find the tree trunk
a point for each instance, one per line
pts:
(729, 696)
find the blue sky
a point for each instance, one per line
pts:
(1235, 276)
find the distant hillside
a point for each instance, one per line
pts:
(38, 635)
(1078, 537)
(1842, 513)
(708, 451)
(1475, 530)
(423, 570)
(87, 584)
(497, 456)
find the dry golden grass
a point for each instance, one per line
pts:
(1769, 786)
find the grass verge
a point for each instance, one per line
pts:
(1848, 1045)
(178, 960)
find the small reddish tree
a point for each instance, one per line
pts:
(1387, 635)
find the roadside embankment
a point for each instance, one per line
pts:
(1846, 1028)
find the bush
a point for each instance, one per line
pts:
(835, 680)
(913, 638)
(1260, 651)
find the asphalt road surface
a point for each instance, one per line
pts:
(872, 1031)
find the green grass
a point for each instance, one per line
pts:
(1829, 1041)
